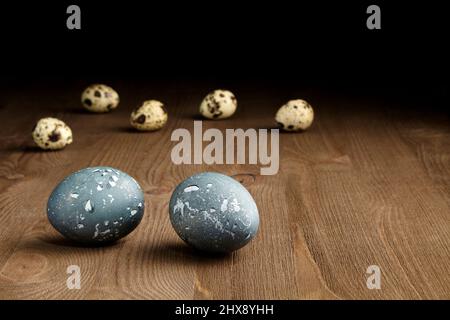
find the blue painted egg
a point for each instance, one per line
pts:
(213, 212)
(96, 205)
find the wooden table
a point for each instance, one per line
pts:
(368, 184)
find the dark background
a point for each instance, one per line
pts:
(320, 43)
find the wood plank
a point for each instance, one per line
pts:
(367, 184)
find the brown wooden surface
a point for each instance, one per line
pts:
(368, 184)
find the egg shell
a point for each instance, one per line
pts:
(52, 134)
(149, 116)
(100, 98)
(96, 205)
(295, 115)
(213, 212)
(219, 104)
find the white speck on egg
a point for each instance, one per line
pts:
(179, 206)
(189, 207)
(224, 205)
(111, 198)
(89, 207)
(235, 205)
(191, 188)
(96, 231)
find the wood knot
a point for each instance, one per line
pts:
(246, 179)
(24, 267)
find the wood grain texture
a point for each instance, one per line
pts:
(368, 184)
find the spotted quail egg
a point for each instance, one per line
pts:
(219, 104)
(100, 98)
(52, 134)
(150, 116)
(295, 115)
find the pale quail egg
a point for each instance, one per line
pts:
(100, 98)
(219, 104)
(52, 134)
(150, 116)
(295, 115)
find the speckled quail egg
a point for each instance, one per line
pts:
(52, 134)
(150, 116)
(219, 104)
(99, 98)
(295, 115)
(213, 212)
(96, 205)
